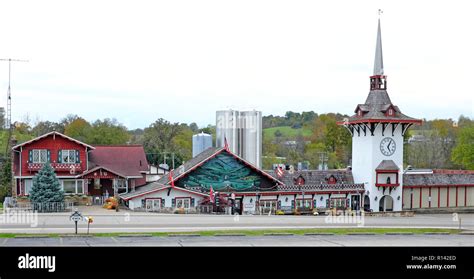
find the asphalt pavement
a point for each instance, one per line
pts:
(265, 240)
(127, 221)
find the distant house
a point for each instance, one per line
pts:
(97, 171)
(154, 173)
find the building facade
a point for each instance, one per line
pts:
(248, 189)
(82, 169)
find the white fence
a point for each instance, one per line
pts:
(38, 206)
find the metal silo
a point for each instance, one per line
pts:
(201, 142)
(243, 131)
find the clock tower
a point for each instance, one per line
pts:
(377, 130)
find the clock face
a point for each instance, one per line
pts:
(387, 146)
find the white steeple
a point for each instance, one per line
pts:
(378, 63)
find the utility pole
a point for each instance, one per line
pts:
(8, 122)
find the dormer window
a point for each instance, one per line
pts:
(359, 112)
(332, 180)
(390, 111)
(299, 181)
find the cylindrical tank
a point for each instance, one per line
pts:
(201, 142)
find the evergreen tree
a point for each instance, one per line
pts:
(46, 187)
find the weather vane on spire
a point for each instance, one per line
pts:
(380, 12)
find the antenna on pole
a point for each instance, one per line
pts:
(8, 122)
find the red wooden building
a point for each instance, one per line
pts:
(97, 171)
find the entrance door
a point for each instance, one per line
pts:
(238, 206)
(355, 203)
(386, 203)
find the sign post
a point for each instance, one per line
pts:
(76, 217)
(89, 221)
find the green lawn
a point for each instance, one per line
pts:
(287, 132)
(338, 231)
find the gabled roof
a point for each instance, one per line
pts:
(53, 133)
(126, 160)
(205, 156)
(316, 177)
(387, 165)
(103, 168)
(153, 188)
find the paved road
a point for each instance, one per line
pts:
(290, 240)
(127, 221)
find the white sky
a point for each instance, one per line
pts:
(138, 61)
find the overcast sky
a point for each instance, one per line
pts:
(138, 61)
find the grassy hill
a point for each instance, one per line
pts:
(286, 131)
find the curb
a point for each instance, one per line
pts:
(399, 233)
(183, 235)
(436, 233)
(74, 236)
(278, 234)
(319, 234)
(135, 235)
(230, 234)
(31, 236)
(360, 233)
(467, 233)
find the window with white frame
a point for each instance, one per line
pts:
(307, 203)
(338, 203)
(153, 204)
(268, 204)
(40, 156)
(68, 156)
(73, 186)
(183, 203)
(28, 186)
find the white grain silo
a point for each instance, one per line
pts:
(243, 131)
(201, 142)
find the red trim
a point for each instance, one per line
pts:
(465, 196)
(415, 121)
(439, 197)
(53, 133)
(164, 188)
(457, 196)
(386, 185)
(440, 185)
(421, 196)
(447, 202)
(236, 157)
(298, 193)
(429, 197)
(386, 171)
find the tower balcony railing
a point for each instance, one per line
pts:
(63, 167)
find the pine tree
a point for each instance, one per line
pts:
(46, 187)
